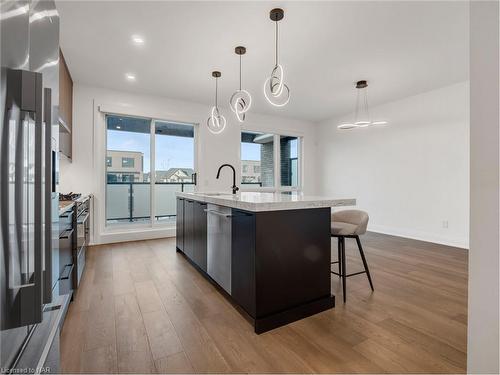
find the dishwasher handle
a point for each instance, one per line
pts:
(223, 214)
(217, 213)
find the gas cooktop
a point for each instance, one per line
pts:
(69, 197)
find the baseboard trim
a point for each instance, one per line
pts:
(420, 236)
(134, 234)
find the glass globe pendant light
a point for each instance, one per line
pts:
(362, 117)
(241, 100)
(276, 91)
(216, 122)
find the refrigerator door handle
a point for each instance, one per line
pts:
(47, 195)
(39, 198)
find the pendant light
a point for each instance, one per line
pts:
(241, 100)
(216, 122)
(362, 117)
(276, 91)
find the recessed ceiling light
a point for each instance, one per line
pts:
(130, 77)
(137, 40)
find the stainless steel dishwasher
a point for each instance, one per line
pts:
(219, 245)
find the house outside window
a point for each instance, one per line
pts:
(109, 161)
(270, 161)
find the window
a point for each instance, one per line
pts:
(128, 162)
(257, 151)
(174, 166)
(150, 151)
(127, 190)
(289, 151)
(259, 169)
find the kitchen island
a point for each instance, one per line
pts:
(269, 252)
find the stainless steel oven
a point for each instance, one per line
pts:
(82, 236)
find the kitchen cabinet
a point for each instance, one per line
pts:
(189, 228)
(243, 260)
(273, 263)
(65, 108)
(200, 235)
(179, 224)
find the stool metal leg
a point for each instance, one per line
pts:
(364, 262)
(339, 257)
(344, 272)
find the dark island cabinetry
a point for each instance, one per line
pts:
(274, 264)
(191, 228)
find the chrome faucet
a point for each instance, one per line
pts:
(234, 187)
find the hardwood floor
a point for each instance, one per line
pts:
(142, 308)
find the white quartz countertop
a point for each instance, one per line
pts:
(257, 202)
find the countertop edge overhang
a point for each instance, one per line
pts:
(259, 202)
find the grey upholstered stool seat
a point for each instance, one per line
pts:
(349, 224)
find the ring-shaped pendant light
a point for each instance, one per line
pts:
(216, 122)
(362, 117)
(241, 100)
(276, 91)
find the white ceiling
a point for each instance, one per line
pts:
(402, 48)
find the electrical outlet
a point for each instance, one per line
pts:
(445, 224)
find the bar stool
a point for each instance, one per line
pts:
(349, 224)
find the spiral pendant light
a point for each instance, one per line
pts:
(362, 117)
(241, 100)
(216, 122)
(276, 91)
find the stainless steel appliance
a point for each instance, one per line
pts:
(219, 245)
(82, 236)
(31, 307)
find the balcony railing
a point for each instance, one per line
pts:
(131, 201)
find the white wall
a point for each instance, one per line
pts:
(483, 325)
(410, 175)
(86, 171)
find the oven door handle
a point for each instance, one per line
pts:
(84, 220)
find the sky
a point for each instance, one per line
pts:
(171, 151)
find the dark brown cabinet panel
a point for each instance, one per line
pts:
(189, 228)
(65, 108)
(179, 223)
(200, 235)
(243, 260)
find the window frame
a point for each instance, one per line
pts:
(277, 188)
(152, 223)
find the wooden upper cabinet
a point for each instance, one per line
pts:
(65, 107)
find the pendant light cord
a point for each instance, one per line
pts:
(216, 86)
(276, 32)
(240, 72)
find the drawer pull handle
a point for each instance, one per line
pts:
(65, 236)
(65, 276)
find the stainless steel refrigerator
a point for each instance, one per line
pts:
(31, 309)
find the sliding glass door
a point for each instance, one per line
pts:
(174, 166)
(147, 161)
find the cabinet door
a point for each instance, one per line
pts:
(243, 260)
(179, 223)
(189, 228)
(200, 231)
